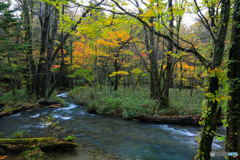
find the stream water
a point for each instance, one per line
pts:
(128, 139)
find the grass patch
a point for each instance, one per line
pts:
(181, 103)
(128, 103)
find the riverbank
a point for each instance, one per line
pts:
(184, 109)
(11, 104)
(13, 108)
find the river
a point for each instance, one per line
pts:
(113, 136)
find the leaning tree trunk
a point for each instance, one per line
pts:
(233, 110)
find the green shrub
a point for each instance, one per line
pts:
(19, 97)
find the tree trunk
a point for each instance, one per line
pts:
(233, 110)
(210, 125)
(169, 69)
(31, 68)
(41, 81)
(116, 76)
(61, 66)
(213, 111)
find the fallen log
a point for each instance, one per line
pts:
(19, 107)
(46, 144)
(27, 140)
(16, 109)
(58, 146)
(182, 120)
(47, 103)
(192, 120)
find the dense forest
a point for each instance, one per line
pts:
(128, 58)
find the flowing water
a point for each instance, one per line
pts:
(128, 139)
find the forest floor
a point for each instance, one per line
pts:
(128, 103)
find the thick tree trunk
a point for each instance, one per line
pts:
(233, 110)
(156, 90)
(31, 68)
(61, 65)
(42, 65)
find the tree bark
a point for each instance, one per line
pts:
(169, 67)
(42, 65)
(233, 109)
(213, 110)
(31, 68)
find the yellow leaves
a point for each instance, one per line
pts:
(127, 65)
(114, 38)
(103, 54)
(119, 73)
(106, 43)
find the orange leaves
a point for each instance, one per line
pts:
(3, 157)
(55, 66)
(144, 54)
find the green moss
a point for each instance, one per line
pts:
(70, 139)
(27, 140)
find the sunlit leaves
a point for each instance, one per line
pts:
(118, 73)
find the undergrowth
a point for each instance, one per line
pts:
(21, 96)
(128, 103)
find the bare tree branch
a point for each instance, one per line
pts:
(204, 21)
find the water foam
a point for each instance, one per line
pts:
(34, 116)
(181, 132)
(63, 94)
(71, 106)
(62, 117)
